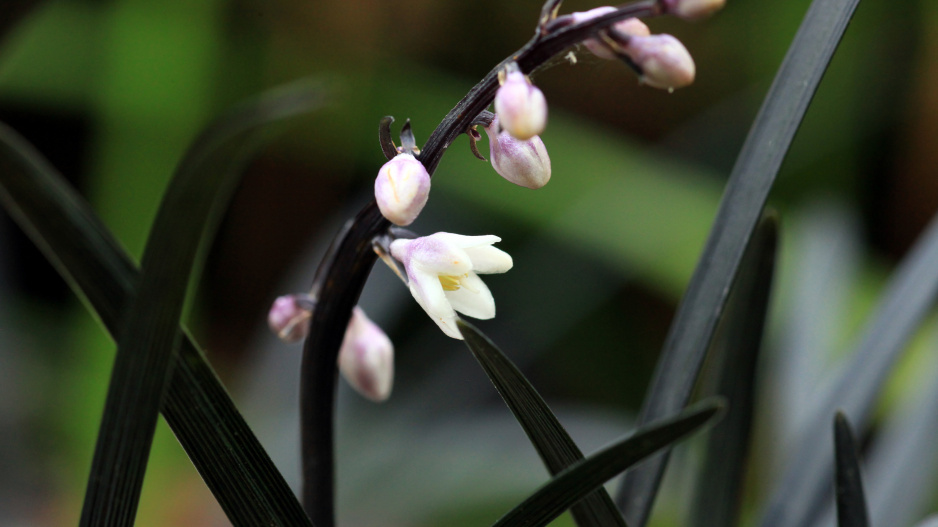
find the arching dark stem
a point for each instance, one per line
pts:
(342, 278)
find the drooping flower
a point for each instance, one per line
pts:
(627, 27)
(289, 316)
(520, 105)
(442, 272)
(366, 358)
(524, 163)
(664, 61)
(402, 188)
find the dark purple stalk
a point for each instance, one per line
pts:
(341, 280)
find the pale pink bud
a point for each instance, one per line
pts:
(289, 317)
(402, 188)
(524, 163)
(629, 26)
(664, 61)
(520, 105)
(692, 9)
(366, 358)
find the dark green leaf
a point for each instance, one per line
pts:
(736, 345)
(570, 485)
(222, 447)
(746, 192)
(190, 209)
(553, 444)
(848, 485)
(911, 292)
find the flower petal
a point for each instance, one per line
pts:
(436, 256)
(464, 242)
(487, 259)
(428, 292)
(473, 298)
(448, 325)
(444, 317)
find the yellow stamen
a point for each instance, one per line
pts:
(449, 282)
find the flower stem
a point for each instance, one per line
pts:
(341, 278)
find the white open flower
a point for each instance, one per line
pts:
(442, 274)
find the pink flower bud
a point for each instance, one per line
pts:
(524, 163)
(402, 188)
(366, 358)
(289, 317)
(692, 9)
(629, 26)
(520, 105)
(664, 61)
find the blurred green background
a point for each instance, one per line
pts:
(112, 91)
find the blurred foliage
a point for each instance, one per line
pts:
(113, 91)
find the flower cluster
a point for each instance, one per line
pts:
(442, 269)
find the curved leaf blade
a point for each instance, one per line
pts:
(737, 344)
(556, 448)
(586, 476)
(187, 213)
(206, 422)
(746, 192)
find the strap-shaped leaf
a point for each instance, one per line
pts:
(746, 192)
(736, 345)
(199, 190)
(909, 295)
(586, 476)
(848, 485)
(198, 409)
(553, 444)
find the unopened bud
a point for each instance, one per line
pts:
(664, 61)
(629, 27)
(524, 163)
(366, 358)
(402, 188)
(693, 9)
(520, 105)
(289, 317)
